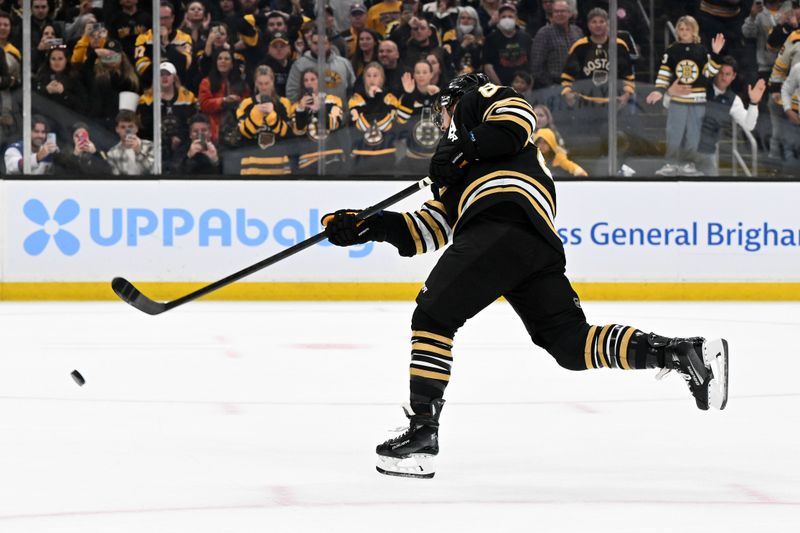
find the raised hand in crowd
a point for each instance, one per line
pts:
(133, 142)
(408, 82)
(83, 145)
(97, 34)
(46, 149)
(756, 92)
(164, 35)
(718, 43)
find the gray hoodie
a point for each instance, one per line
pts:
(338, 78)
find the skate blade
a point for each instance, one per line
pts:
(416, 465)
(715, 355)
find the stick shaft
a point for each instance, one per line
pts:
(300, 246)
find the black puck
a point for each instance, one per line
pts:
(78, 378)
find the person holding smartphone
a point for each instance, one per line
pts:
(84, 158)
(197, 155)
(42, 150)
(132, 156)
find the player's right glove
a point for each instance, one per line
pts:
(448, 164)
(343, 228)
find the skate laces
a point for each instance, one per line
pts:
(662, 373)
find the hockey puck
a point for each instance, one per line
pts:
(78, 378)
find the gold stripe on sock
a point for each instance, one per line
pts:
(432, 336)
(600, 343)
(623, 349)
(587, 350)
(431, 348)
(430, 375)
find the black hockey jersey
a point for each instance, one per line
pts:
(586, 70)
(692, 65)
(509, 169)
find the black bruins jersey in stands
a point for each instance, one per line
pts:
(510, 169)
(692, 65)
(586, 70)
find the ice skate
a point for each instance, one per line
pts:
(412, 453)
(704, 366)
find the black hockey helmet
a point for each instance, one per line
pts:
(449, 96)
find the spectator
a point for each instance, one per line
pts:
(41, 19)
(758, 25)
(264, 120)
(442, 72)
(389, 58)
(555, 155)
(551, 46)
(687, 63)
(196, 23)
(197, 155)
(367, 52)
(132, 156)
(10, 80)
(372, 110)
(340, 77)
(469, 42)
(400, 30)
(358, 21)
(109, 73)
(127, 24)
(84, 159)
(542, 16)
(59, 83)
(333, 32)
(489, 15)
(721, 16)
(94, 36)
(422, 41)
(42, 150)
(219, 38)
(48, 40)
(722, 104)
(790, 100)
(506, 50)
(523, 84)
(414, 112)
(788, 56)
(220, 94)
(442, 13)
(178, 105)
(381, 14)
(306, 125)
(279, 59)
(77, 30)
(176, 46)
(544, 119)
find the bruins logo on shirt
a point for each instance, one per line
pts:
(687, 71)
(332, 79)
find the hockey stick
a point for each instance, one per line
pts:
(131, 295)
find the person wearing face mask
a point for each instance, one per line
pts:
(468, 45)
(507, 48)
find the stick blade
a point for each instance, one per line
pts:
(131, 295)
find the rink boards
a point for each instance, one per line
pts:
(624, 240)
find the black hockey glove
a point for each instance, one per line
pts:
(448, 164)
(343, 228)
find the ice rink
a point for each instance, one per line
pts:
(263, 417)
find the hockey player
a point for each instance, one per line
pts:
(495, 199)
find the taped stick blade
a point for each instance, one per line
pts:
(131, 295)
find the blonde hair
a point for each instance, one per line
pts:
(377, 66)
(265, 70)
(691, 22)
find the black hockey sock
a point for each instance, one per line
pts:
(431, 360)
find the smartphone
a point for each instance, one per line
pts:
(201, 136)
(130, 133)
(51, 138)
(264, 99)
(83, 136)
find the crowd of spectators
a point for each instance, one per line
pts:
(241, 90)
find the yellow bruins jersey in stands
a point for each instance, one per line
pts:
(787, 57)
(509, 169)
(179, 52)
(381, 14)
(252, 120)
(690, 64)
(374, 117)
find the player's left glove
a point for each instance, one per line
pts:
(449, 163)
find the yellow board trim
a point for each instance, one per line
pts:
(307, 291)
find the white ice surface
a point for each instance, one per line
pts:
(263, 417)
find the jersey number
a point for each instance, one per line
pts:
(488, 90)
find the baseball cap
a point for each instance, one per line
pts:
(279, 36)
(357, 8)
(169, 67)
(507, 6)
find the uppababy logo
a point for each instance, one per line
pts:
(65, 213)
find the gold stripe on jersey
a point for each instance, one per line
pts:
(277, 160)
(623, 350)
(384, 151)
(428, 227)
(264, 171)
(513, 109)
(587, 349)
(501, 174)
(525, 194)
